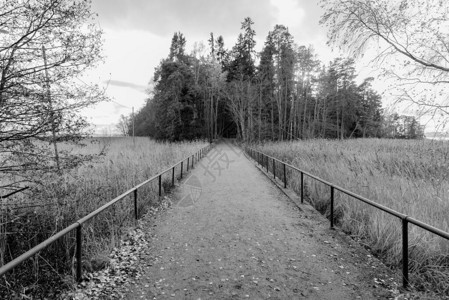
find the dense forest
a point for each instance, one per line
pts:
(282, 93)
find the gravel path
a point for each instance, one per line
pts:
(232, 234)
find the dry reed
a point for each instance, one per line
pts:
(406, 175)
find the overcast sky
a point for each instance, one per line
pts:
(137, 35)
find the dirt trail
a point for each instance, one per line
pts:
(234, 235)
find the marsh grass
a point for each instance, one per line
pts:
(406, 175)
(30, 218)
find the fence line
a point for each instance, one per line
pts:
(78, 225)
(263, 159)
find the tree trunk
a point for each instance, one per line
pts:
(305, 114)
(260, 112)
(272, 120)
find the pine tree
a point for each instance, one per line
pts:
(242, 65)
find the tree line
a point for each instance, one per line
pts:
(281, 93)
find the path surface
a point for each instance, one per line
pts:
(237, 236)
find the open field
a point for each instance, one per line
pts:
(408, 176)
(44, 210)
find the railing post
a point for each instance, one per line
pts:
(192, 161)
(181, 168)
(135, 204)
(405, 252)
(302, 187)
(267, 164)
(332, 207)
(188, 163)
(173, 176)
(79, 252)
(160, 185)
(285, 178)
(274, 169)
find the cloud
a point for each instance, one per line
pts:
(302, 19)
(289, 12)
(117, 109)
(195, 17)
(119, 83)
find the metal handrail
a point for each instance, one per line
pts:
(79, 223)
(263, 158)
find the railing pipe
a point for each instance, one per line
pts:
(302, 187)
(78, 225)
(160, 185)
(332, 207)
(79, 252)
(405, 252)
(285, 177)
(427, 227)
(372, 203)
(404, 218)
(13, 263)
(135, 204)
(102, 208)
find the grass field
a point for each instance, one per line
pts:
(62, 200)
(408, 176)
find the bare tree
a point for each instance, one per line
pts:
(41, 91)
(124, 125)
(241, 96)
(411, 41)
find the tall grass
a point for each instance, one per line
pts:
(408, 176)
(63, 199)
